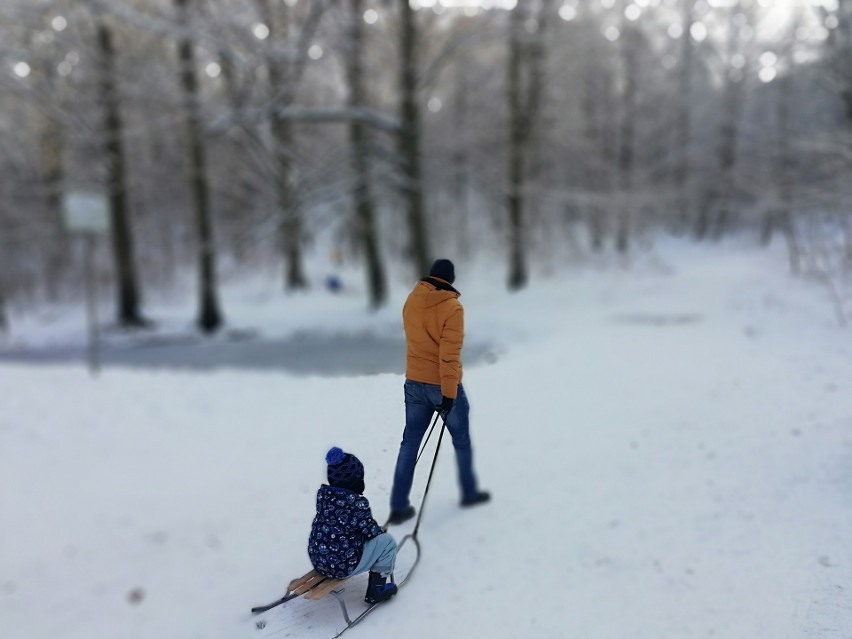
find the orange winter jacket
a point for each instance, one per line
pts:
(434, 330)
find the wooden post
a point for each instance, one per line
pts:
(93, 341)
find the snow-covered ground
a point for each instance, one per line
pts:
(669, 449)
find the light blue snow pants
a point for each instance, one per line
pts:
(379, 556)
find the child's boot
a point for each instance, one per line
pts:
(378, 589)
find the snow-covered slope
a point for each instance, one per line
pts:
(669, 450)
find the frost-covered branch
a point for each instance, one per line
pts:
(308, 115)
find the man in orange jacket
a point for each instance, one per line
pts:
(434, 331)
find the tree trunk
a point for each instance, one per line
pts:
(626, 149)
(460, 157)
(595, 155)
(518, 126)
(281, 82)
(409, 140)
(591, 168)
(767, 226)
(290, 226)
(733, 99)
(683, 126)
(209, 316)
(727, 157)
(535, 57)
(702, 220)
(786, 168)
(53, 172)
(361, 191)
(4, 318)
(847, 240)
(843, 36)
(127, 309)
(237, 203)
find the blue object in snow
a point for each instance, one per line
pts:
(333, 283)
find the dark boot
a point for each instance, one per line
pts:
(378, 589)
(400, 516)
(479, 497)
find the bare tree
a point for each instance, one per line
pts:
(780, 217)
(127, 309)
(630, 50)
(282, 85)
(536, 55)
(286, 58)
(4, 318)
(683, 124)
(461, 154)
(52, 138)
(512, 163)
(597, 151)
(840, 60)
(518, 127)
(525, 86)
(716, 206)
(783, 215)
(209, 315)
(409, 138)
(361, 188)
(236, 201)
(842, 54)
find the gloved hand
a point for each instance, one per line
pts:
(445, 406)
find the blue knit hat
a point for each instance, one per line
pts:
(443, 269)
(343, 468)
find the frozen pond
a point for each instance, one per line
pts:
(304, 353)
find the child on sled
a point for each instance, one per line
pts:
(345, 539)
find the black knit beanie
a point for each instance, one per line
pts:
(443, 269)
(344, 470)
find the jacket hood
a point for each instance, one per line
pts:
(431, 291)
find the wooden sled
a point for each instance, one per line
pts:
(314, 586)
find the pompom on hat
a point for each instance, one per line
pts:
(343, 468)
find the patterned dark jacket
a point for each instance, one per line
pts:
(342, 524)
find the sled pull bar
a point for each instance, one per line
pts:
(431, 472)
(416, 461)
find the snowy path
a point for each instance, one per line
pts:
(670, 452)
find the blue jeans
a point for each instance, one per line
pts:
(379, 556)
(420, 402)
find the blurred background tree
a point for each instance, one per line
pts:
(233, 134)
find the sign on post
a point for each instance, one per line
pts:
(87, 213)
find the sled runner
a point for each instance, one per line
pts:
(314, 587)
